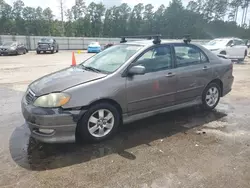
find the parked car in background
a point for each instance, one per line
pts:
(232, 48)
(12, 48)
(108, 45)
(124, 83)
(47, 45)
(248, 43)
(94, 47)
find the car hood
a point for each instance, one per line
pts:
(213, 47)
(63, 79)
(5, 46)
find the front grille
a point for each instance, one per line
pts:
(30, 97)
(3, 49)
(43, 46)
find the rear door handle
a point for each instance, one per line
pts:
(170, 74)
(205, 68)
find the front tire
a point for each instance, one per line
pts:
(99, 123)
(211, 96)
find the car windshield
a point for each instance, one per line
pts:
(111, 59)
(216, 42)
(9, 43)
(46, 40)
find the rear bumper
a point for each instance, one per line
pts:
(94, 50)
(227, 86)
(60, 123)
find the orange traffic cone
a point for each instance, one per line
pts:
(73, 59)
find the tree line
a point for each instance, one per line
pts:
(202, 19)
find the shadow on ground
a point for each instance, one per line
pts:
(32, 155)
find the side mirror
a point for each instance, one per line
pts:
(232, 45)
(137, 70)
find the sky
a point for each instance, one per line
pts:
(54, 4)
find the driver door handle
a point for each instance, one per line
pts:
(170, 74)
(205, 68)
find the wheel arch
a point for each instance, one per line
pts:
(103, 100)
(220, 84)
(107, 100)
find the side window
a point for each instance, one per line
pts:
(238, 42)
(188, 55)
(156, 59)
(230, 43)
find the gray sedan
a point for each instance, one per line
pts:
(124, 83)
(12, 48)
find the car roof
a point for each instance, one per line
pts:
(228, 38)
(150, 42)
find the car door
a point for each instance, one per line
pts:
(230, 49)
(21, 46)
(18, 47)
(54, 44)
(239, 48)
(193, 72)
(156, 88)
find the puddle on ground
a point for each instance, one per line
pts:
(33, 155)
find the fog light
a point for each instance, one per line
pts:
(46, 131)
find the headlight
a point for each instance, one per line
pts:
(52, 100)
(12, 48)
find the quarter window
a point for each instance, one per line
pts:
(189, 55)
(156, 59)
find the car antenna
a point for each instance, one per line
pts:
(187, 39)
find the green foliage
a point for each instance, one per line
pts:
(201, 19)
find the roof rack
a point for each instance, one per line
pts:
(157, 38)
(187, 39)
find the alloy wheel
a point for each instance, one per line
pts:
(101, 123)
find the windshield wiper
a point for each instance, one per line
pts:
(91, 68)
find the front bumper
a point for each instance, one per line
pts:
(45, 49)
(8, 52)
(62, 122)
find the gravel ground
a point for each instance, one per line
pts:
(185, 148)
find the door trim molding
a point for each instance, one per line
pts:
(129, 119)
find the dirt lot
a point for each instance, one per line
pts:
(186, 148)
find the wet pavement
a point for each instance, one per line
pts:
(186, 148)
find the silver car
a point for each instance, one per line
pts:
(124, 83)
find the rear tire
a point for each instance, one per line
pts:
(99, 123)
(211, 96)
(38, 52)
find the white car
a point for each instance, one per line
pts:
(231, 48)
